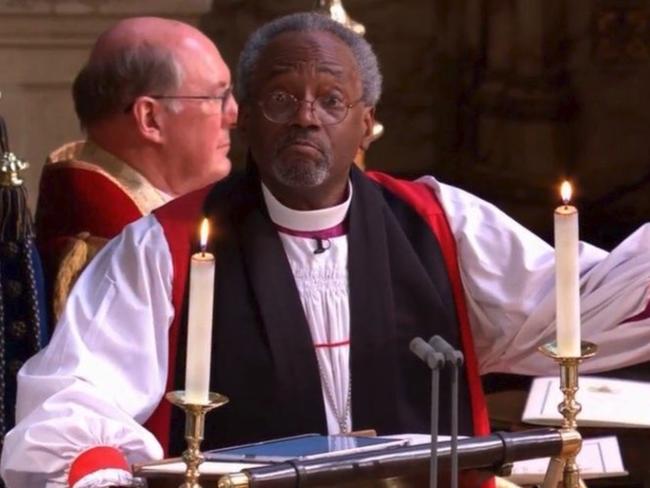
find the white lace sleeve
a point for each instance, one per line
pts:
(104, 371)
(508, 275)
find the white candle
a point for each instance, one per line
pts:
(199, 323)
(567, 281)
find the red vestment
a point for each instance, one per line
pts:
(84, 189)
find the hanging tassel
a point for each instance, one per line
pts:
(15, 218)
(23, 318)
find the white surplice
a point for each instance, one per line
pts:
(322, 282)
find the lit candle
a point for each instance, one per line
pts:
(199, 323)
(567, 281)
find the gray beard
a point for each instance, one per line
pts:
(301, 174)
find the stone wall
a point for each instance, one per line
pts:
(556, 89)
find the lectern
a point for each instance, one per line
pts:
(478, 458)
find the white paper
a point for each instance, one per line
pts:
(177, 466)
(605, 402)
(599, 458)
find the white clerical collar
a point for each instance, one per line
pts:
(305, 220)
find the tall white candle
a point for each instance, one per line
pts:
(199, 323)
(567, 280)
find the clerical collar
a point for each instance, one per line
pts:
(305, 220)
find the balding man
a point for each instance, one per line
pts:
(155, 102)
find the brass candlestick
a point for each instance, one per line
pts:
(569, 407)
(194, 429)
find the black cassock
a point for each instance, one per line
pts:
(263, 357)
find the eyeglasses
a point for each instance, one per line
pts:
(223, 98)
(280, 107)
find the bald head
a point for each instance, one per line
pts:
(165, 34)
(137, 56)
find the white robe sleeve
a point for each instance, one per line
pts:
(105, 369)
(508, 275)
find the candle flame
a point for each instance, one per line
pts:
(205, 230)
(565, 191)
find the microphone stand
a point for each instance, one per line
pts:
(435, 361)
(454, 358)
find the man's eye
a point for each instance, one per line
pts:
(331, 101)
(225, 94)
(279, 98)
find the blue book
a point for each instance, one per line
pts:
(307, 446)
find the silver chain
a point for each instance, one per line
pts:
(341, 417)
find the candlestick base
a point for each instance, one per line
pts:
(194, 429)
(587, 350)
(569, 407)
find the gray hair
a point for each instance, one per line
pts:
(309, 22)
(105, 87)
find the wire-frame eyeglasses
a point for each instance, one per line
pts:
(224, 97)
(330, 109)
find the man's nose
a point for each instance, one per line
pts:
(230, 111)
(305, 116)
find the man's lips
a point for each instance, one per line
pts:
(301, 144)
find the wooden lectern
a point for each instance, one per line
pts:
(478, 459)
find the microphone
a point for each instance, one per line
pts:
(426, 353)
(435, 360)
(455, 359)
(452, 356)
(319, 245)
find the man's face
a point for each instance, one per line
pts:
(302, 156)
(197, 132)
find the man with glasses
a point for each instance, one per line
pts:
(324, 275)
(154, 100)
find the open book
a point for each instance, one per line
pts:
(605, 402)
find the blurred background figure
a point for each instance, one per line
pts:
(22, 312)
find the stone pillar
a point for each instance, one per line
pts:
(520, 109)
(610, 69)
(43, 44)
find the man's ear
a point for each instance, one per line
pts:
(368, 124)
(147, 114)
